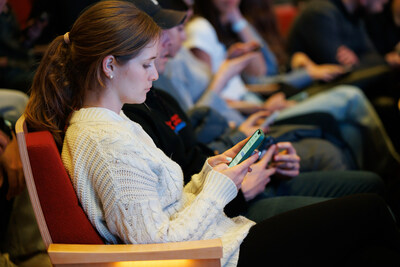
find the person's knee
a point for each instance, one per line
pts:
(319, 154)
(373, 182)
(349, 91)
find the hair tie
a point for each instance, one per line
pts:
(66, 38)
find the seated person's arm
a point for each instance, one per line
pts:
(256, 66)
(228, 69)
(300, 60)
(250, 38)
(393, 58)
(324, 72)
(203, 56)
(276, 101)
(245, 107)
(263, 89)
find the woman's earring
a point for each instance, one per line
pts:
(111, 76)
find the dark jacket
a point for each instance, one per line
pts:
(383, 31)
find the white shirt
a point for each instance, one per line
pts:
(201, 35)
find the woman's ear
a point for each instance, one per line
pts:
(109, 66)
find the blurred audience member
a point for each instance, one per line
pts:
(359, 123)
(299, 70)
(61, 15)
(17, 61)
(384, 30)
(332, 31)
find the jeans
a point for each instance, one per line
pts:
(360, 126)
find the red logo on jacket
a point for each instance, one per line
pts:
(176, 123)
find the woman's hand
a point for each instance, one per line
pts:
(287, 162)
(228, 155)
(235, 173)
(255, 181)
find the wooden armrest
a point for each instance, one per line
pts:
(83, 254)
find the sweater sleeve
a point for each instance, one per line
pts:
(130, 186)
(138, 216)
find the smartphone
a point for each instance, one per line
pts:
(270, 119)
(266, 143)
(246, 151)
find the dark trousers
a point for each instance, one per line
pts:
(355, 229)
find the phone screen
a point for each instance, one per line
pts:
(254, 141)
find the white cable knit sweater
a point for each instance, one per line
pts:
(133, 193)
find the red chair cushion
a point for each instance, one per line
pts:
(22, 9)
(65, 218)
(285, 15)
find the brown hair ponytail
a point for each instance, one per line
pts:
(71, 67)
(51, 98)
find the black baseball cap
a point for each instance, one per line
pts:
(174, 5)
(165, 18)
